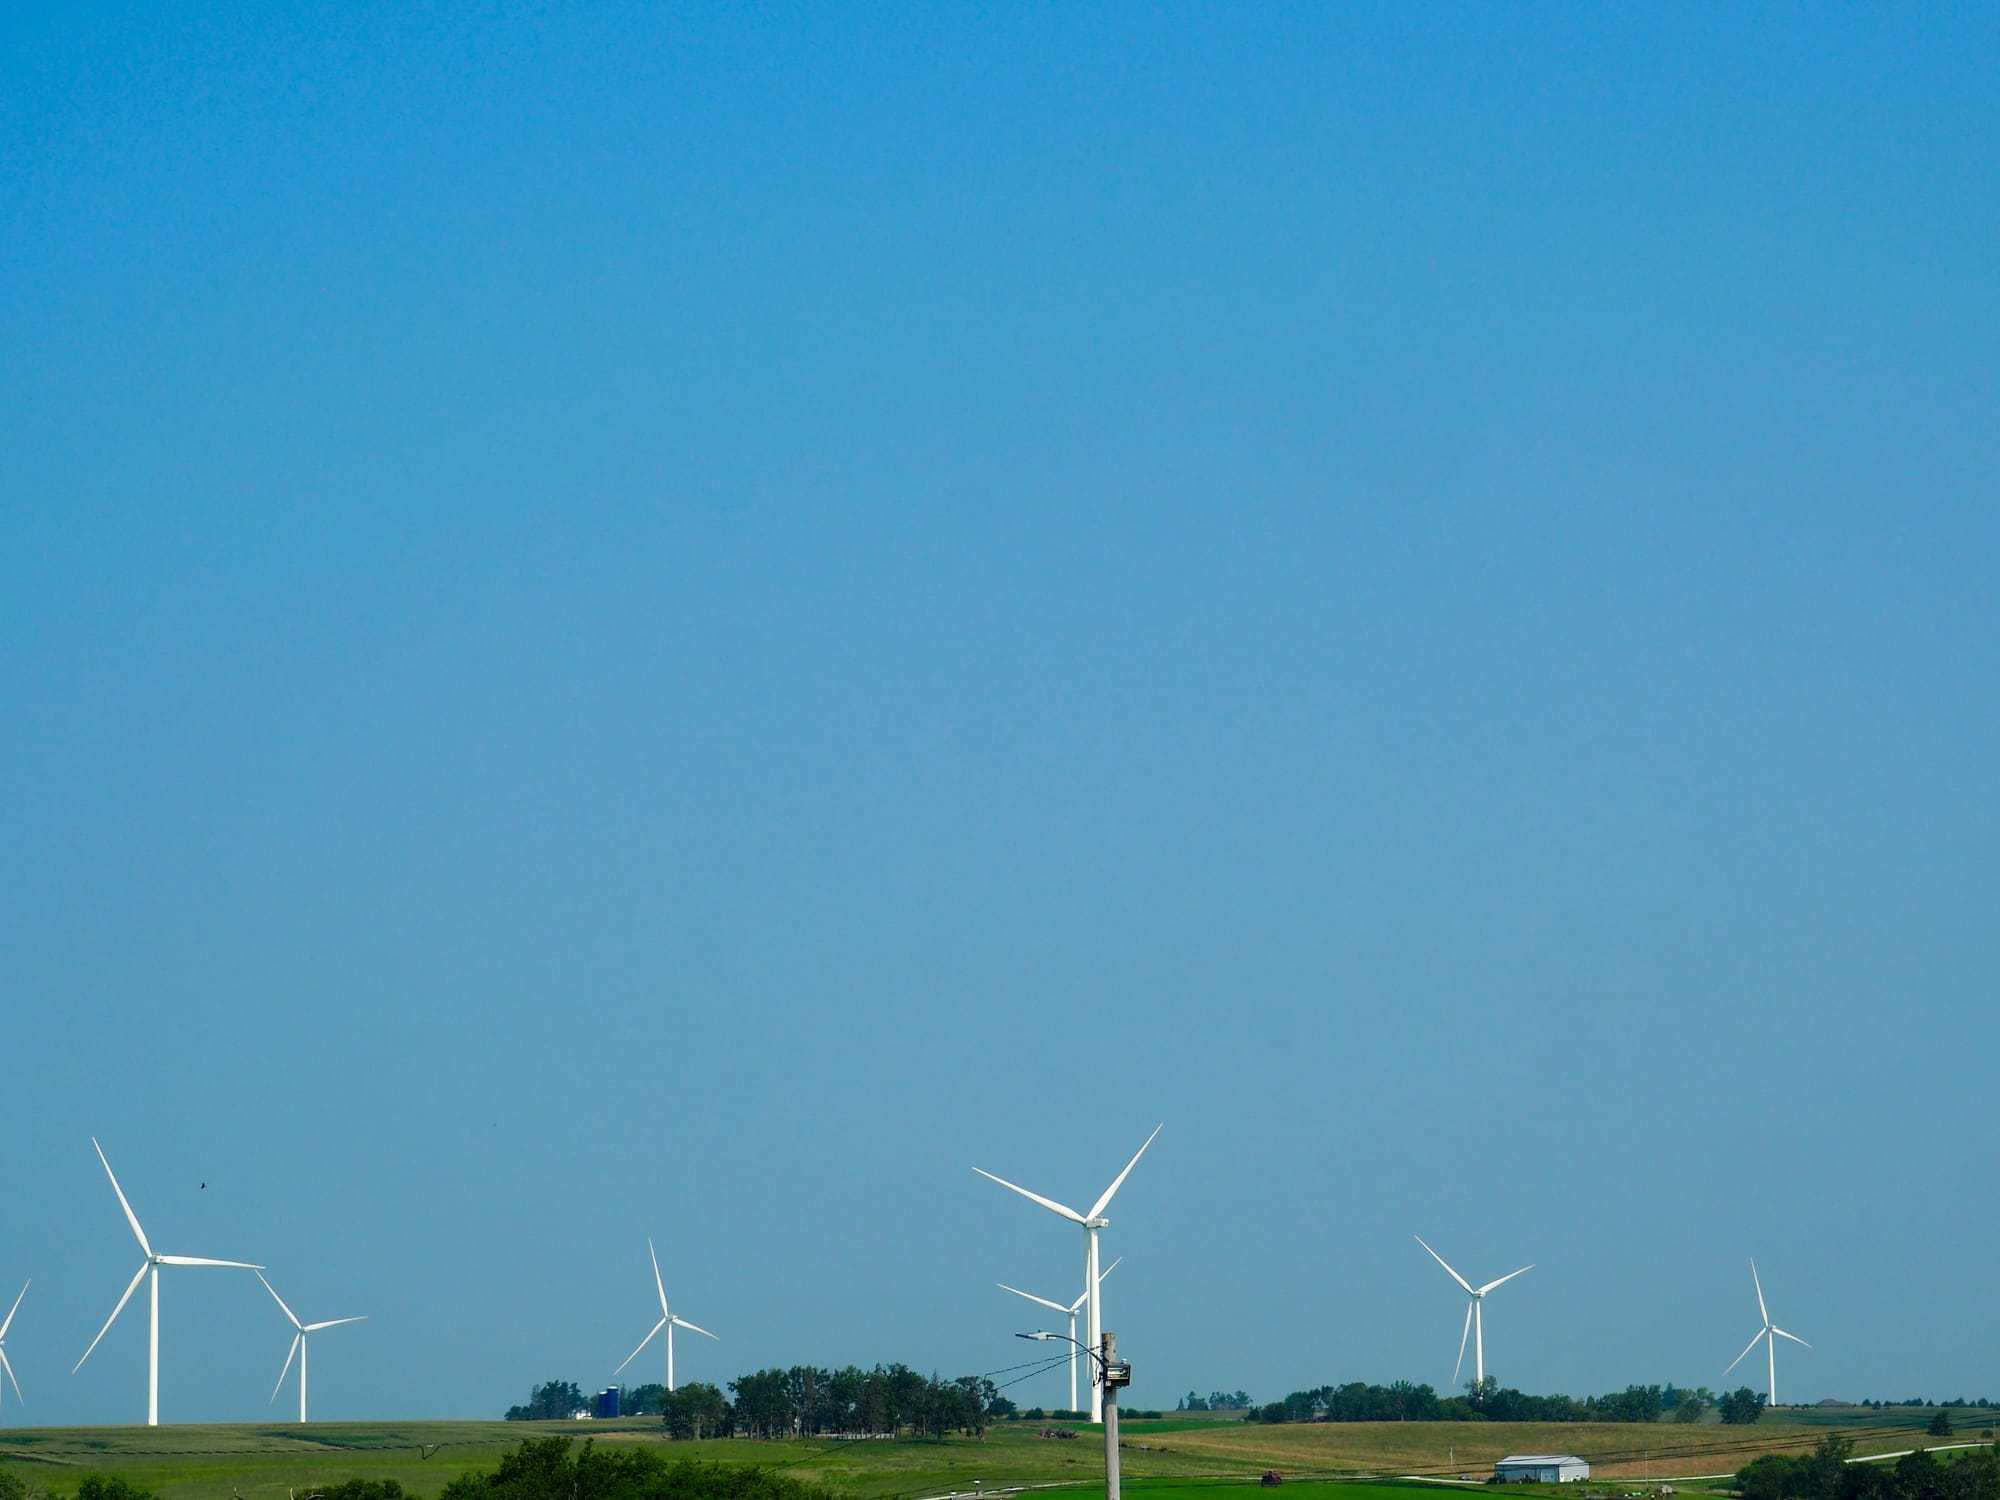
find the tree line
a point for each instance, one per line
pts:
(1826, 1474)
(1483, 1401)
(803, 1401)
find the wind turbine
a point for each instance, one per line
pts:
(1473, 1324)
(151, 1263)
(1091, 1222)
(9, 1323)
(1070, 1311)
(667, 1321)
(1770, 1333)
(299, 1344)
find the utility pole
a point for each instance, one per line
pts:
(1115, 1375)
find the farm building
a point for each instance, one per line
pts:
(1541, 1468)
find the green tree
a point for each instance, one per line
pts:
(551, 1401)
(1774, 1477)
(111, 1487)
(1692, 1406)
(641, 1400)
(12, 1486)
(1976, 1476)
(557, 1469)
(694, 1411)
(1918, 1477)
(1741, 1406)
(1941, 1423)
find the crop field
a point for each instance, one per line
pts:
(1166, 1460)
(1616, 1450)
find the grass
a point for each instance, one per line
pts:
(1171, 1459)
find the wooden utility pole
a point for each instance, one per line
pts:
(1109, 1354)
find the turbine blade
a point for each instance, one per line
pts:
(281, 1302)
(1049, 1203)
(297, 1338)
(1762, 1311)
(1746, 1349)
(642, 1344)
(1449, 1272)
(1508, 1277)
(14, 1309)
(1792, 1336)
(10, 1378)
(1052, 1306)
(1461, 1341)
(201, 1260)
(658, 1285)
(144, 1267)
(332, 1323)
(130, 1217)
(1119, 1181)
(1071, 1309)
(684, 1323)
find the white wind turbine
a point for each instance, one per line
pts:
(667, 1321)
(1091, 1222)
(1473, 1323)
(1770, 1333)
(151, 1263)
(1070, 1312)
(299, 1344)
(9, 1323)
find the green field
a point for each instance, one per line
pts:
(1173, 1459)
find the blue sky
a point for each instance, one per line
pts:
(622, 623)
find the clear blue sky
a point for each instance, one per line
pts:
(623, 621)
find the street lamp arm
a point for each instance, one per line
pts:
(1043, 1336)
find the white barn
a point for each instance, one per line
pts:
(1541, 1468)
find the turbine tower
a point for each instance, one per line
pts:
(1091, 1222)
(4, 1326)
(1770, 1333)
(667, 1321)
(151, 1264)
(1474, 1325)
(1070, 1312)
(299, 1344)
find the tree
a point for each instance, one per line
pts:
(558, 1469)
(1742, 1406)
(1773, 1477)
(12, 1486)
(642, 1400)
(1919, 1477)
(552, 1401)
(111, 1487)
(1692, 1406)
(694, 1411)
(1941, 1423)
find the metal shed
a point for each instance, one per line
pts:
(1541, 1468)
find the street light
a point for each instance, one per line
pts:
(1115, 1374)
